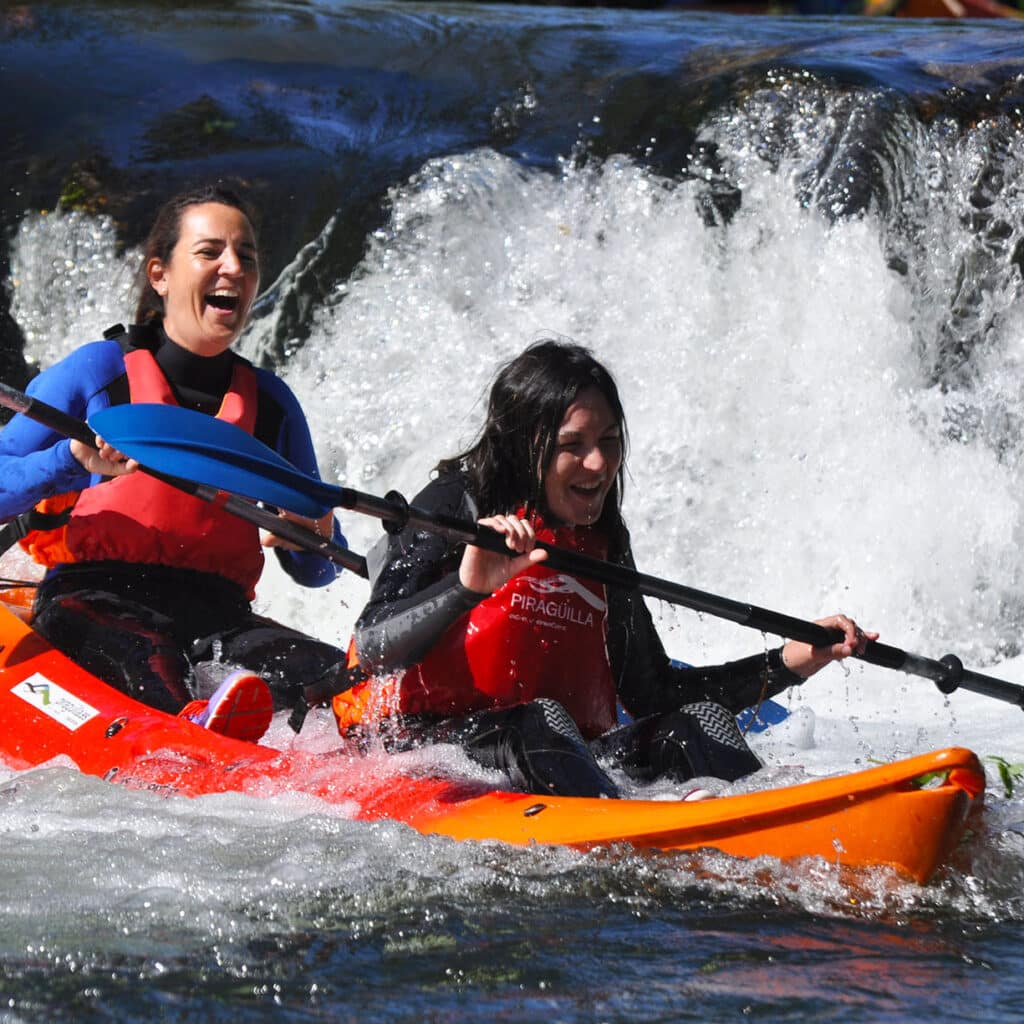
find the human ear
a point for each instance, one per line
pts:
(157, 274)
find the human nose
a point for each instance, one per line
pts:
(230, 263)
(595, 460)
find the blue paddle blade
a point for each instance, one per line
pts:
(193, 446)
(768, 714)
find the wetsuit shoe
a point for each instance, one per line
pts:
(241, 707)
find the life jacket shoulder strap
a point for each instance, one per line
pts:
(134, 336)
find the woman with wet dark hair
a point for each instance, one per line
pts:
(165, 233)
(524, 666)
(147, 587)
(506, 467)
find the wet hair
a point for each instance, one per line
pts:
(506, 466)
(164, 234)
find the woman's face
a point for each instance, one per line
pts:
(588, 454)
(211, 279)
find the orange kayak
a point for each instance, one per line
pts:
(907, 816)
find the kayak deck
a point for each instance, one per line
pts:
(906, 816)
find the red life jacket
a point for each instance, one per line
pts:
(541, 635)
(137, 518)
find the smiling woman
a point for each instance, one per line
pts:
(588, 455)
(208, 284)
(525, 666)
(149, 588)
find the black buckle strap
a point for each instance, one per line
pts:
(28, 522)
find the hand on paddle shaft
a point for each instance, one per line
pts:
(95, 455)
(484, 571)
(101, 458)
(220, 455)
(805, 659)
(322, 527)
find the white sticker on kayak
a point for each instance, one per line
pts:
(55, 701)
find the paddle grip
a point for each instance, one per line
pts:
(396, 513)
(987, 686)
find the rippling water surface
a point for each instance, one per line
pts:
(797, 243)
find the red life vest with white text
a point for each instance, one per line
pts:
(541, 635)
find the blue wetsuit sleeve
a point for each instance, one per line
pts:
(36, 462)
(294, 442)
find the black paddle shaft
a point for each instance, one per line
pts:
(295, 533)
(948, 673)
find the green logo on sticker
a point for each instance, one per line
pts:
(41, 688)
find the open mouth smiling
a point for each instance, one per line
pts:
(223, 300)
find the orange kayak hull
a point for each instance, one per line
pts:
(906, 816)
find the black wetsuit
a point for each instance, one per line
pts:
(683, 716)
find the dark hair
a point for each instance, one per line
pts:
(507, 464)
(164, 234)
